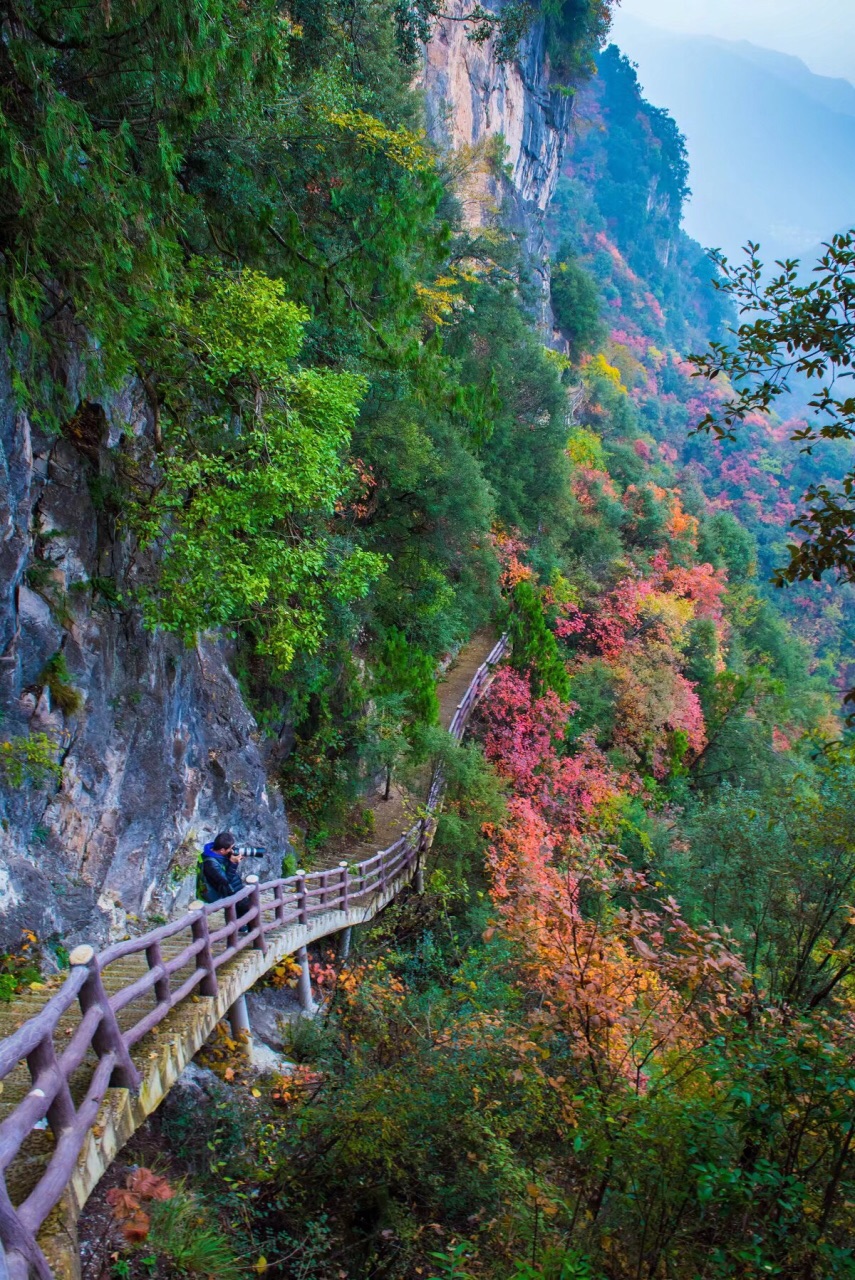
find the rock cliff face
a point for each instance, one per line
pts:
(162, 751)
(473, 98)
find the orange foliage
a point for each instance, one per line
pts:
(509, 552)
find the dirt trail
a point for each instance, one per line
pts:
(394, 816)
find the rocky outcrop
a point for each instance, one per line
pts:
(510, 119)
(158, 750)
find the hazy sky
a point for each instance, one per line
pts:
(821, 32)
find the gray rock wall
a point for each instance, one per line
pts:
(472, 98)
(163, 752)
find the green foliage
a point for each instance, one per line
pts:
(253, 461)
(594, 691)
(404, 670)
(557, 1264)
(31, 759)
(56, 678)
(523, 459)
(289, 865)
(576, 304)
(585, 449)
(574, 28)
(19, 968)
(535, 648)
(474, 797)
(180, 1234)
(348, 395)
(778, 867)
(635, 166)
(725, 543)
(93, 200)
(794, 328)
(404, 701)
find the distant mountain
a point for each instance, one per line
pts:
(836, 95)
(771, 145)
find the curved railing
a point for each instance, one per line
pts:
(108, 1025)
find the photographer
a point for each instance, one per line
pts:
(221, 859)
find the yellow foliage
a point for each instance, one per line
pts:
(406, 148)
(585, 449)
(671, 613)
(285, 973)
(559, 591)
(599, 367)
(438, 301)
(558, 359)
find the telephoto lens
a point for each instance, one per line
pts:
(250, 851)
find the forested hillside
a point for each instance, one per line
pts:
(614, 1037)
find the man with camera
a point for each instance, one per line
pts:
(221, 859)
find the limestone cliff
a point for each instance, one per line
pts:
(162, 751)
(473, 98)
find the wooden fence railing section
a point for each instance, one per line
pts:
(70, 1072)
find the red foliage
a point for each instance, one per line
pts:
(702, 584)
(523, 737)
(620, 991)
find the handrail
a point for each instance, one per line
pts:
(261, 909)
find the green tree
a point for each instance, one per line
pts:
(535, 648)
(576, 304)
(98, 107)
(405, 698)
(778, 867)
(254, 458)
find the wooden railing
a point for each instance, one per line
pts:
(108, 1026)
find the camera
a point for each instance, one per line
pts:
(249, 851)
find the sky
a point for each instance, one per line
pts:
(820, 32)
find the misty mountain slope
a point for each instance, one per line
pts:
(836, 94)
(771, 145)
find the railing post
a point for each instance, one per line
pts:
(231, 921)
(155, 960)
(383, 875)
(23, 1257)
(204, 957)
(108, 1037)
(345, 887)
(60, 1113)
(322, 897)
(279, 896)
(258, 943)
(302, 899)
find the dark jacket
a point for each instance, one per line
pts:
(221, 876)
